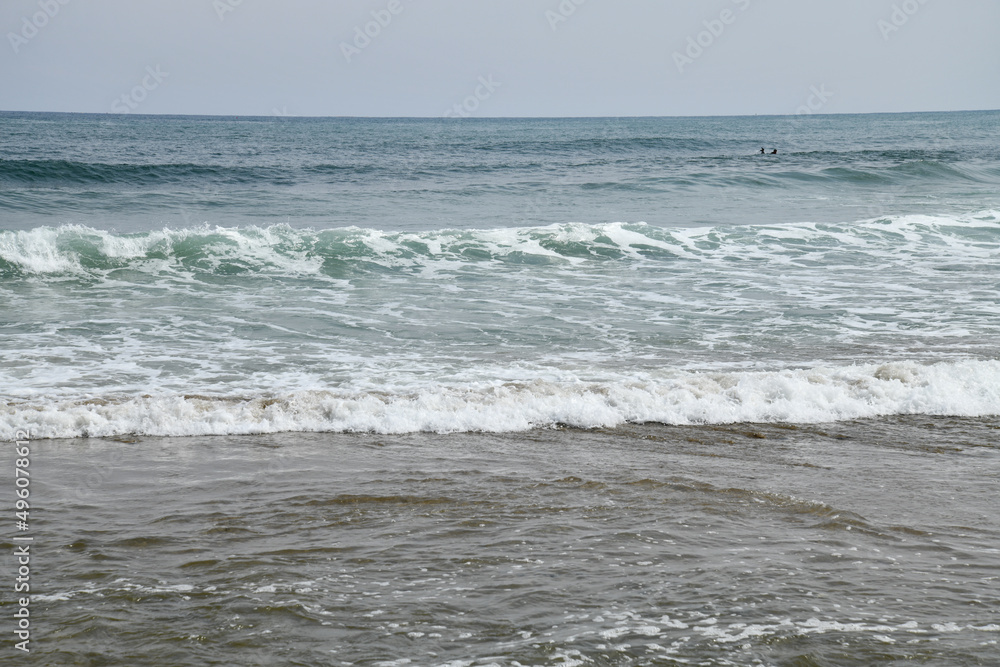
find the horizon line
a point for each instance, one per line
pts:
(484, 117)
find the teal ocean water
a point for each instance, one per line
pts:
(177, 276)
(507, 391)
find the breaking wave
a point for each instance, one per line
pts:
(79, 251)
(809, 395)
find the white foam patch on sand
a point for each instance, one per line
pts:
(810, 395)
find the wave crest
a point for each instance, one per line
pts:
(280, 250)
(812, 395)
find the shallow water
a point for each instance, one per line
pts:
(849, 543)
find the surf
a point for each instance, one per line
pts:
(82, 251)
(817, 394)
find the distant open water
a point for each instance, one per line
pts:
(694, 307)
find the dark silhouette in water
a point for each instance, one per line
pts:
(774, 152)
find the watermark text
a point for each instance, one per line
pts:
(132, 99)
(562, 13)
(363, 35)
(714, 28)
(900, 16)
(484, 91)
(22, 540)
(38, 20)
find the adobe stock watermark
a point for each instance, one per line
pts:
(484, 91)
(99, 475)
(281, 114)
(31, 26)
(816, 100)
(536, 210)
(131, 100)
(714, 28)
(280, 119)
(23, 539)
(363, 35)
(223, 7)
(562, 13)
(900, 16)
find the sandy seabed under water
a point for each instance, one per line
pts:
(853, 543)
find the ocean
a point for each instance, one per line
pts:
(339, 391)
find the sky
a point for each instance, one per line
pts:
(499, 57)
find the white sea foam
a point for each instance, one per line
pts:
(472, 330)
(810, 395)
(36, 251)
(283, 250)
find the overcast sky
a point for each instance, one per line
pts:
(499, 57)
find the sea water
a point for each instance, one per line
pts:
(553, 391)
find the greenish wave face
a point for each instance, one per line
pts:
(340, 253)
